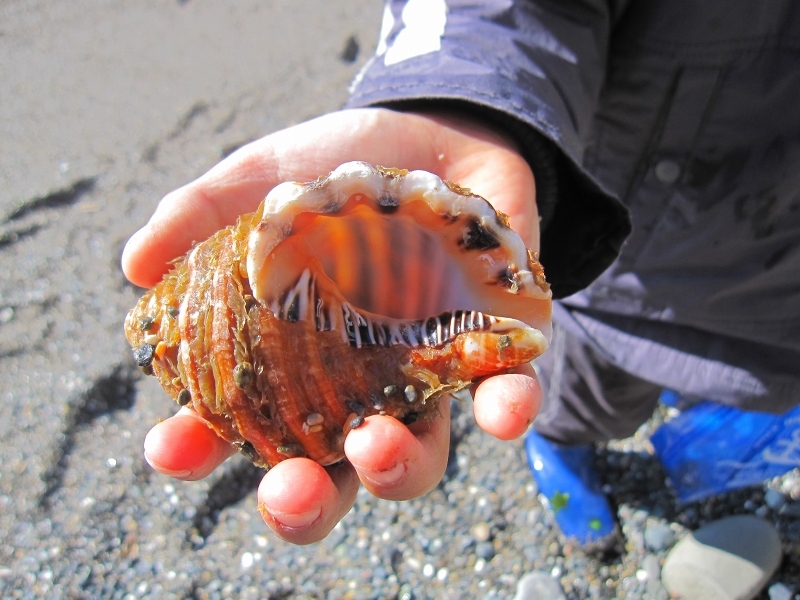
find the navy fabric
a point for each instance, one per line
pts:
(545, 70)
(686, 114)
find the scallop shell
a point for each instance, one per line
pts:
(369, 291)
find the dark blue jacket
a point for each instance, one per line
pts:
(678, 117)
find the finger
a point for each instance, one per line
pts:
(197, 210)
(239, 183)
(303, 152)
(188, 215)
(488, 162)
(396, 462)
(185, 447)
(506, 405)
(302, 501)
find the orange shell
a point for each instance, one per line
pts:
(287, 329)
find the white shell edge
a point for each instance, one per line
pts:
(329, 194)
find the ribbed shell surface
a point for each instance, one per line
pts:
(278, 386)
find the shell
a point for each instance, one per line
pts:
(369, 291)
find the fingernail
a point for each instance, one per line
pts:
(385, 477)
(293, 520)
(184, 474)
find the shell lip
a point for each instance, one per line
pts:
(456, 239)
(387, 188)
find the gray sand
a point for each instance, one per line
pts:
(104, 108)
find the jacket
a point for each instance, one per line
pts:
(665, 140)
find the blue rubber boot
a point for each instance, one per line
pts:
(569, 484)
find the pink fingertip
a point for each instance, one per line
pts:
(505, 405)
(184, 447)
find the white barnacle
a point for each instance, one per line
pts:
(410, 393)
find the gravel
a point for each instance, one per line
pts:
(107, 107)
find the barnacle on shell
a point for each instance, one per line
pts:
(368, 291)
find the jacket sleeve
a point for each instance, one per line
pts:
(533, 68)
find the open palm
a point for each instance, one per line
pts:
(298, 499)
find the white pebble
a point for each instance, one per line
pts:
(247, 560)
(428, 570)
(734, 555)
(6, 314)
(539, 585)
(780, 591)
(481, 532)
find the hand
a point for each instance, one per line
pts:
(300, 500)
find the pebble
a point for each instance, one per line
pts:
(538, 586)
(405, 593)
(652, 567)
(484, 550)
(658, 536)
(481, 532)
(791, 486)
(464, 543)
(780, 591)
(774, 499)
(728, 559)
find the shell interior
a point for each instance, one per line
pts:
(385, 256)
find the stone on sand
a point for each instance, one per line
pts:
(728, 559)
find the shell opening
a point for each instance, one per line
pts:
(389, 260)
